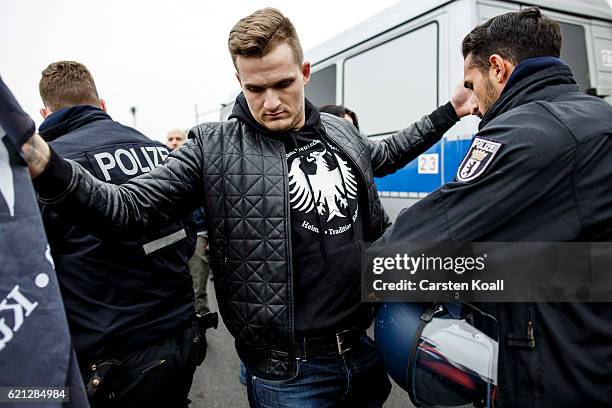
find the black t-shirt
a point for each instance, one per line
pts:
(325, 235)
(324, 197)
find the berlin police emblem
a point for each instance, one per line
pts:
(477, 159)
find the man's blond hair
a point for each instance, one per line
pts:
(256, 35)
(67, 83)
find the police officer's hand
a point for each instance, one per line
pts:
(463, 101)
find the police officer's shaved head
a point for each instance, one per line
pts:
(67, 83)
(514, 36)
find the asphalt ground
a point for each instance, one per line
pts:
(216, 384)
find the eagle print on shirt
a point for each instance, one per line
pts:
(333, 200)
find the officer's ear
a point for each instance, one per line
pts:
(44, 112)
(500, 69)
(103, 105)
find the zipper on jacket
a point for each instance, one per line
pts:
(152, 365)
(363, 179)
(530, 333)
(286, 201)
(530, 328)
(350, 158)
(526, 340)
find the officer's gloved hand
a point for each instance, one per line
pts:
(203, 323)
(17, 124)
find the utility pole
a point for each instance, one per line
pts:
(133, 111)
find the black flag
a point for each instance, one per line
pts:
(35, 348)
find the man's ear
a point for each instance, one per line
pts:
(44, 112)
(238, 78)
(306, 72)
(103, 105)
(500, 69)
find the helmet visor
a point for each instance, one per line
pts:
(455, 362)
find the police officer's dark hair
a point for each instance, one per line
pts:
(67, 83)
(340, 111)
(514, 36)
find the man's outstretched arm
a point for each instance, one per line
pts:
(394, 152)
(145, 203)
(148, 202)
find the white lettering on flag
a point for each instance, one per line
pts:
(7, 189)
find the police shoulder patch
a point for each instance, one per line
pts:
(477, 159)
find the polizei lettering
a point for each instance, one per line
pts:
(131, 161)
(485, 145)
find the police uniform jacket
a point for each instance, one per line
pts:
(538, 170)
(121, 293)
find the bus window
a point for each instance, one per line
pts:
(394, 83)
(573, 52)
(321, 90)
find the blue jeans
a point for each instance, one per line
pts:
(354, 379)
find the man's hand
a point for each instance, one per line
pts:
(37, 154)
(464, 101)
(20, 128)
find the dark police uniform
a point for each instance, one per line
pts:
(129, 300)
(539, 169)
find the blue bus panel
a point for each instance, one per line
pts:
(429, 171)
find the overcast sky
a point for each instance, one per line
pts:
(161, 57)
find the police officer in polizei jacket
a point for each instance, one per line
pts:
(538, 170)
(129, 300)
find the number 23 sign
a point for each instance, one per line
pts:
(428, 163)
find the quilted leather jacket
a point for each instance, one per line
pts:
(240, 177)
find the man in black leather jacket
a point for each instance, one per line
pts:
(290, 198)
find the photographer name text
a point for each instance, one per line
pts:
(426, 285)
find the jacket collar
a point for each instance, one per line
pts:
(68, 119)
(532, 79)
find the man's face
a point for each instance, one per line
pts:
(175, 140)
(482, 85)
(273, 86)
